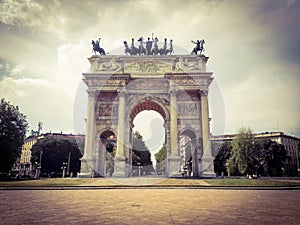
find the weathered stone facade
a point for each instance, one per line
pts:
(119, 87)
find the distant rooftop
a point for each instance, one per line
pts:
(257, 135)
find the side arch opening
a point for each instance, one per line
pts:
(107, 151)
(188, 153)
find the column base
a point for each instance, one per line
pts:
(119, 168)
(207, 167)
(84, 175)
(86, 170)
(173, 168)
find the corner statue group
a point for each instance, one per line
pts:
(199, 46)
(96, 47)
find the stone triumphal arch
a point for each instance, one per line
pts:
(119, 87)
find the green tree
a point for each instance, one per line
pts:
(273, 158)
(110, 155)
(246, 154)
(13, 127)
(52, 152)
(298, 152)
(221, 158)
(141, 155)
(160, 158)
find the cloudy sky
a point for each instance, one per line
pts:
(253, 48)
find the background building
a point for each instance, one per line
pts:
(290, 143)
(25, 163)
(24, 166)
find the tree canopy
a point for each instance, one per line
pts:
(224, 153)
(273, 159)
(160, 158)
(13, 127)
(246, 154)
(250, 156)
(110, 155)
(52, 152)
(141, 155)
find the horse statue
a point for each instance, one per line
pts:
(170, 50)
(127, 49)
(163, 50)
(96, 47)
(155, 49)
(133, 49)
(142, 49)
(148, 50)
(199, 46)
(149, 45)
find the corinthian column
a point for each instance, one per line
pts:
(173, 168)
(121, 127)
(207, 163)
(205, 125)
(90, 126)
(86, 161)
(173, 124)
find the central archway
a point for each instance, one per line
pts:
(148, 144)
(139, 153)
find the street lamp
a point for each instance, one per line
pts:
(65, 164)
(37, 170)
(38, 166)
(139, 168)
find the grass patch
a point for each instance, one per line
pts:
(253, 182)
(227, 182)
(46, 182)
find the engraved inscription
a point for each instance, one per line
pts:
(147, 67)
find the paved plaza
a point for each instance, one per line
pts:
(149, 206)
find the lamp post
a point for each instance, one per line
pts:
(38, 166)
(139, 169)
(64, 169)
(37, 170)
(68, 169)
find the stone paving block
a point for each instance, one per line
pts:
(149, 206)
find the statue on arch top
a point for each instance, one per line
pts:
(165, 50)
(142, 50)
(155, 49)
(96, 47)
(149, 47)
(134, 50)
(127, 49)
(199, 46)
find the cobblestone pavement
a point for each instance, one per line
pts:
(150, 206)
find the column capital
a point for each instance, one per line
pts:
(204, 93)
(173, 91)
(121, 92)
(91, 92)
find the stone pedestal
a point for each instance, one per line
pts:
(119, 168)
(207, 167)
(86, 168)
(174, 166)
